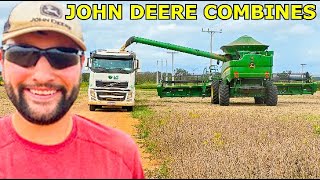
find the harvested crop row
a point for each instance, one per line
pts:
(195, 139)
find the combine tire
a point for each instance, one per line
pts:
(224, 95)
(258, 100)
(92, 107)
(215, 92)
(272, 94)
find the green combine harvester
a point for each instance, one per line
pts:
(246, 72)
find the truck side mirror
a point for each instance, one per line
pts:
(88, 59)
(137, 64)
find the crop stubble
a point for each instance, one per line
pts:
(243, 140)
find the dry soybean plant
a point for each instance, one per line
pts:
(6, 106)
(195, 139)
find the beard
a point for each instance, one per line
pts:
(62, 107)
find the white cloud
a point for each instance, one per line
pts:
(242, 25)
(163, 27)
(297, 29)
(314, 54)
(169, 30)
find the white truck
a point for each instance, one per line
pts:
(112, 79)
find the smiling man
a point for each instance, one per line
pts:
(42, 57)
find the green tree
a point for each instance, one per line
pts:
(85, 77)
(181, 72)
(146, 77)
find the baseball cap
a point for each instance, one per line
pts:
(32, 16)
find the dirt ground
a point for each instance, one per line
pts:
(115, 118)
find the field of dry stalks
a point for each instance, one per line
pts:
(5, 105)
(194, 139)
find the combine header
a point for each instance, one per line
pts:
(246, 72)
(289, 83)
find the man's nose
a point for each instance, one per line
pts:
(43, 71)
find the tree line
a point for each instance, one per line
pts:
(147, 77)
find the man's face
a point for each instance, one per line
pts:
(42, 94)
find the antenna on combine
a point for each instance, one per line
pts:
(211, 33)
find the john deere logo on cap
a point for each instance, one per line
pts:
(49, 10)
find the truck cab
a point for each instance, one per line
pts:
(112, 79)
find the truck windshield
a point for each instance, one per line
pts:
(112, 65)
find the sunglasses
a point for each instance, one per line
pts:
(28, 56)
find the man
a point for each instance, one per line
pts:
(41, 59)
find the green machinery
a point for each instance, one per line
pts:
(289, 83)
(246, 72)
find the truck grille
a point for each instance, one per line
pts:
(112, 84)
(111, 96)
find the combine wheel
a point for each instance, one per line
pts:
(224, 95)
(272, 94)
(258, 100)
(215, 92)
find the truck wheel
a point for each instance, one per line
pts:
(272, 94)
(129, 108)
(224, 95)
(258, 100)
(215, 92)
(92, 107)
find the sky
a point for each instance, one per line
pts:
(293, 42)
